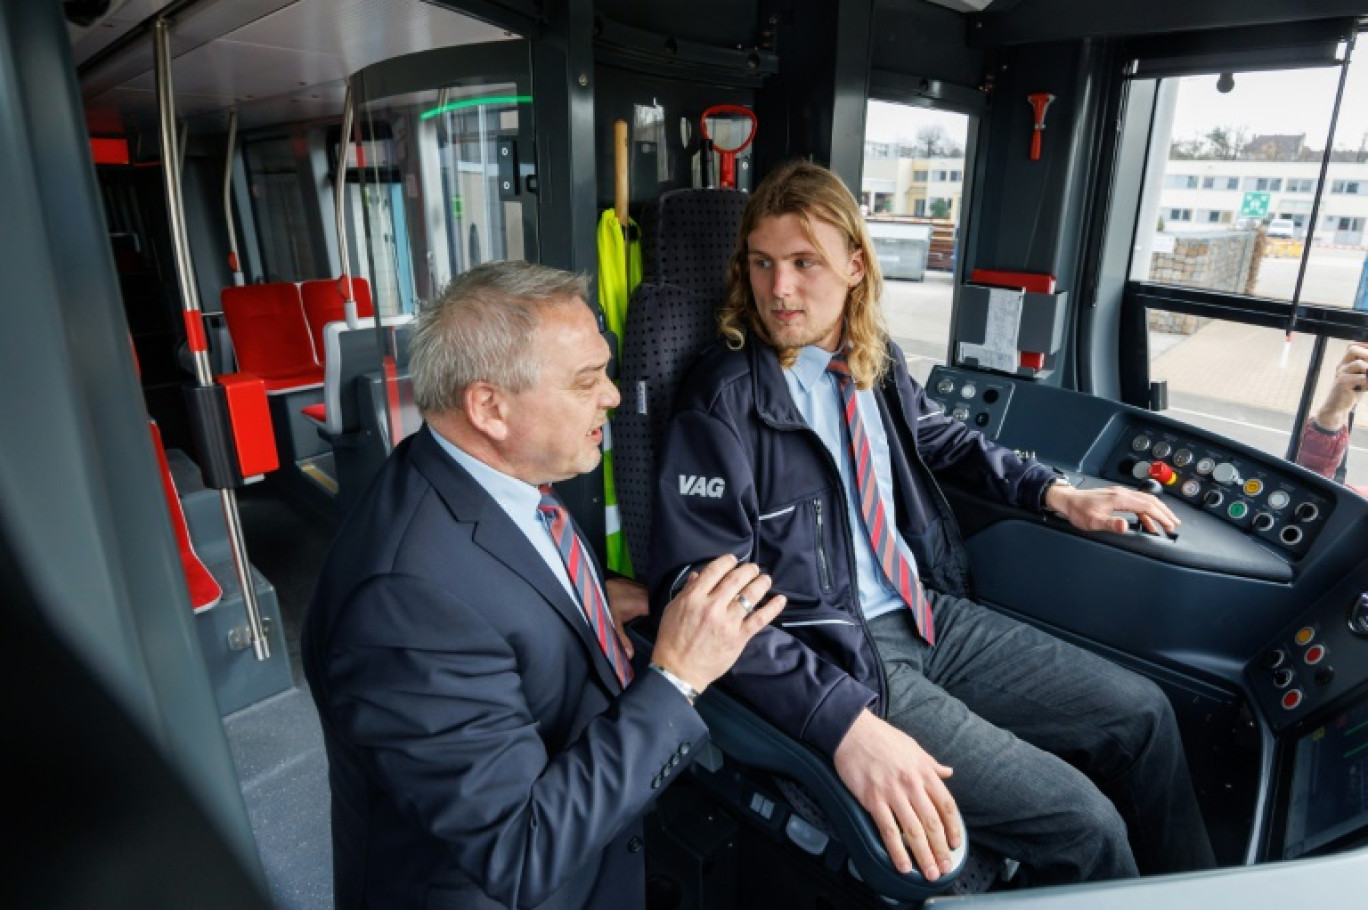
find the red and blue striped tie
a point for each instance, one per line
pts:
(582, 577)
(882, 536)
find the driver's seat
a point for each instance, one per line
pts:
(689, 236)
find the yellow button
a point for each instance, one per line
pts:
(1304, 634)
(1253, 487)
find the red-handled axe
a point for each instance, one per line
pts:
(1040, 102)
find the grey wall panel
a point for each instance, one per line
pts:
(926, 40)
(1033, 214)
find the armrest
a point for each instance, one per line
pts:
(751, 740)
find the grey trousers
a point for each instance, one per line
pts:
(1063, 760)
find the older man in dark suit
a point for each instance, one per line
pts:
(489, 744)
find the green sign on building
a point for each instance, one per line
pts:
(1255, 205)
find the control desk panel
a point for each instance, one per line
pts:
(1249, 494)
(978, 399)
(1315, 659)
(1272, 507)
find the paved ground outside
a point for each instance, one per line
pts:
(1240, 381)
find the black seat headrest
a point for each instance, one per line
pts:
(689, 236)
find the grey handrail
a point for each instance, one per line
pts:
(233, 262)
(339, 206)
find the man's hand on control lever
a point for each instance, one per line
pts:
(1096, 509)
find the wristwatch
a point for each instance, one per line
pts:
(684, 688)
(1057, 480)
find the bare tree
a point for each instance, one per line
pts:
(932, 141)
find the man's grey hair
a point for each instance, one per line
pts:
(481, 329)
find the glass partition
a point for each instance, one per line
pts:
(440, 179)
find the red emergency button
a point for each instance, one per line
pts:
(1163, 473)
(1291, 699)
(1315, 654)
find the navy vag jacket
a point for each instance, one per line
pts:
(741, 472)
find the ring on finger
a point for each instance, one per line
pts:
(745, 603)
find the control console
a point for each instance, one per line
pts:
(977, 399)
(1300, 671)
(1245, 492)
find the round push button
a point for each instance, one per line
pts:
(1292, 699)
(1162, 473)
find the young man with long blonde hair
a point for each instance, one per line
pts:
(823, 460)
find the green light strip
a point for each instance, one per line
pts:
(1355, 728)
(477, 102)
(1356, 750)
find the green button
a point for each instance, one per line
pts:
(1238, 510)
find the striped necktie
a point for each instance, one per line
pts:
(586, 584)
(882, 536)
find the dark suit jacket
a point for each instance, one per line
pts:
(481, 752)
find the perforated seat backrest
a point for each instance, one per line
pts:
(324, 303)
(689, 237)
(270, 335)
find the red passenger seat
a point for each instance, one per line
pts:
(325, 301)
(270, 335)
(203, 589)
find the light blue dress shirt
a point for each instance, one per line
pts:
(818, 399)
(520, 500)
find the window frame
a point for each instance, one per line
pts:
(1137, 297)
(899, 88)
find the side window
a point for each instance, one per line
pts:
(1250, 258)
(912, 194)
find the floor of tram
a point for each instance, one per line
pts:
(276, 744)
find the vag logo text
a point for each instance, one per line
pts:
(696, 485)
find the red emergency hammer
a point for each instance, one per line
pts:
(1040, 102)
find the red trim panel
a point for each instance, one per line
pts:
(194, 330)
(251, 419)
(109, 150)
(1027, 281)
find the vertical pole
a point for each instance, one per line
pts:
(1361, 296)
(340, 205)
(175, 210)
(1308, 393)
(1320, 191)
(233, 264)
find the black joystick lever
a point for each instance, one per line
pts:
(1154, 488)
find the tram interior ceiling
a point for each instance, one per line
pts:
(1117, 276)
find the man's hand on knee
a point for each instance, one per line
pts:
(903, 788)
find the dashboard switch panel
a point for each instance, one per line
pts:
(1273, 507)
(975, 399)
